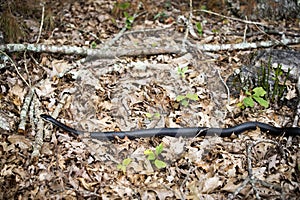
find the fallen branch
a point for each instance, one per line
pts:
(113, 52)
(24, 111)
(101, 53)
(39, 140)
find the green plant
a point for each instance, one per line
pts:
(123, 166)
(256, 95)
(122, 5)
(184, 100)
(199, 28)
(93, 45)
(153, 156)
(151, 116)
(160, 15)
(270, 79)
(269, 84)
(122, 8)
(215, 30)
(203, 7)
(181, 71)
(129, 20)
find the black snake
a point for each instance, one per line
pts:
(184, 132)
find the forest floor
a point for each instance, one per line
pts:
(161, 72)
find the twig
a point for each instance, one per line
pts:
(239, 189)
(251, 178)
(184, 181)
(24, 111)
(117, 37)
(55, 114)
(31, 115)
(42, 22)
(12, 62)
(225, 85)
(243, 46)
(200, 132)
(231, 18)
(28, 98)
(273, 38)
(38, 142)
(26, 68)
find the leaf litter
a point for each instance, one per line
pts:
(114, 95)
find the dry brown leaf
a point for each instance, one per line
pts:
(87, 185)
(45, 176)
(20, 140)
(18, 91)
(210, 184)
(230, 186)
(291, 92)
(7, 170)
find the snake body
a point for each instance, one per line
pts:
(180, 132)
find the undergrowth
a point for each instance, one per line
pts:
(268, 87)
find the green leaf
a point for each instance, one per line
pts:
(185, 102)
(203, 7)
(160, 164)
(156, 115)
(123, 6)
(179, 70)
(185, 69)
(199, 28)
(148, 151)
(193, 97)
(248, 101)
(119, 166)
(157, 16)
(150, 154)
(240, 105)
(180, 98)
(130, 19)
(93, 45)
(149, 115)
(248, 93)
(259, 91)
(261, 101)
(126, 15)
(159, 149)
(126, 161)
(122, 168)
